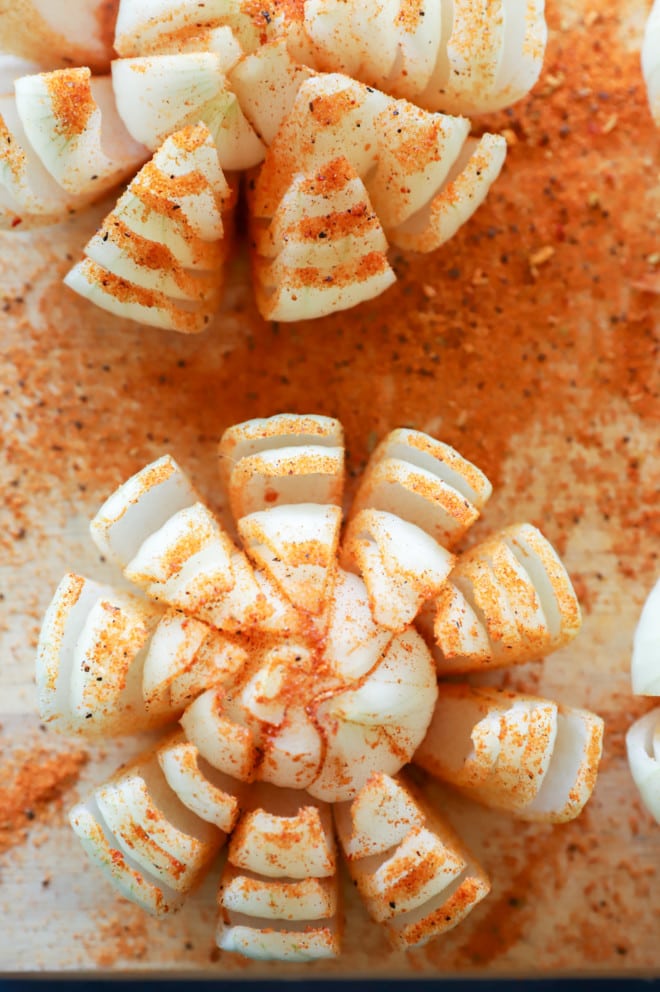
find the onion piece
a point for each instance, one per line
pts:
(50, 34)
(409, 867)
(354, 642)
(508, 600)
(424, 482)
(131, 881)
(90, 658)
(297, 546)
(71, 122)
(379, 818)
(491, 58)
(164, 26)
(651, 60)
(159, 255)
(297, 475)
(645, 664)
(514, 752)
(284, 834)
(332, 117)
(29, 196)
(226, 744)
(211, 795)
(643, 750)
(417, 151)
(176, 550)
(284, 430)
(324, 249)
(154, 828)
(159, 94)
(250, 894)
(301, 942)
(401, 565)
(356, 39)
(379, 724)
(467, 185)
(266, 83)
(140, 506)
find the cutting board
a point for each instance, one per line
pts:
(542, 372)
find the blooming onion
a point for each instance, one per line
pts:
(300, 656)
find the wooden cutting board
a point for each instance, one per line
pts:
(537, 364)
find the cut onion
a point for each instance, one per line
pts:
(406, 862)
(52, 35)
(508, 600)
(159, 255)
(324, 249)
(71, 121)
(643, 749)
(401, 565)
(159, 94)
(645, 664)
(297, 546)
(514, 752)
(424, 482)
(651, 60)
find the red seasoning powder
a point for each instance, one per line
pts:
(529, 342)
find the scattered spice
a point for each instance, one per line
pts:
(33, 782)
(549, 384)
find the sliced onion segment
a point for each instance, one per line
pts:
(407, 863)
(71, 121)
(514, 752)
(424, 482)
(643, 750)
(52, 34)
(508, 600)
(401, 565)
(645, 664)
(159, 255)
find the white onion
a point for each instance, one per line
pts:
(409, 867)
(401, 565)
(508, 600)
(645, 664)
(71, 121)
(514, 752)
(643, 750)
(651, 60)
(297, 546)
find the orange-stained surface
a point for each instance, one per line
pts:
(529, 342)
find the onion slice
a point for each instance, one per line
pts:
(51, 34)
(71, 121)
(643, 750)
(424, 482)
(645, 664)
(651, 60)
(514, 752)
(508, 600)
(407, 863)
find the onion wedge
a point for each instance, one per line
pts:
(409, 867)
(424, 482)
(508, 600)
(51, 34)
(70, 120)
(645, 664)
(159, 255)
(159, 94)
(514, 752)
(651, 60)
(643, 749)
